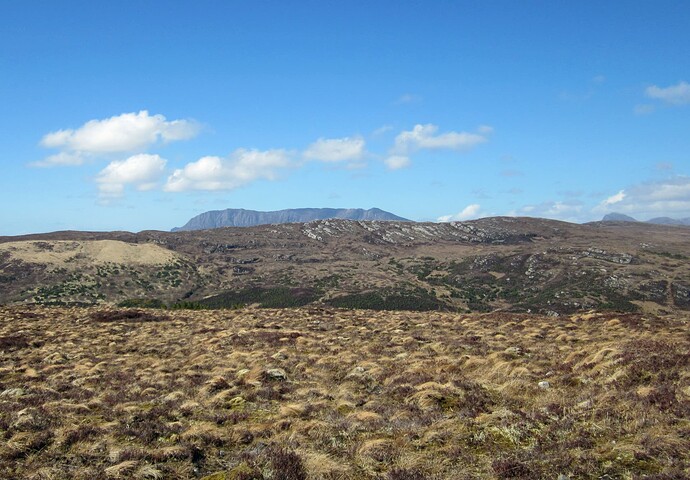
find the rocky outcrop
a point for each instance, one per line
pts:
(601, 254)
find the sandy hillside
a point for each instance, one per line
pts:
(65, 253)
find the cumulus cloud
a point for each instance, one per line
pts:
(613, 199)
(336, 149)
(396, 162)
(240, 168)
(141, 171)
(426, 137)
(469, 212)
(129, 132)
(669, 197)
(675, 94)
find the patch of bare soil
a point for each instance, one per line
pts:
(64, 253)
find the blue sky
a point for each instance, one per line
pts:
(140, 115)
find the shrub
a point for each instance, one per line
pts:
(405, 474)
(278, 297)
(126, 316)
(141, 303)
(13, 342)
(287, 464)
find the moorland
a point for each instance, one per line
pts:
(320, 393)
(502, 348)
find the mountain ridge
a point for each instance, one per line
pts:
(621, 217)
(239, 217)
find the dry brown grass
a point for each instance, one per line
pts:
(333, 394)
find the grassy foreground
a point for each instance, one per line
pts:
(338, 394)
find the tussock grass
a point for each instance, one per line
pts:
(341, 394)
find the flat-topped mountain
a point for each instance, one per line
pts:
(500, 263)
(238, 217)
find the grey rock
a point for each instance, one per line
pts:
(514, 351)
(276, 374)
(12, 392)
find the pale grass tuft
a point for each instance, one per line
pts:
(121, 470)
(292, 410)
(174, 396)
(204, 431)
(321, 466)
(365, 416)
(374, 452)
(46, 473)
(148, 472)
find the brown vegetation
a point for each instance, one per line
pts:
(341, 394)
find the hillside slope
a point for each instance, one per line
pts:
(515, 264)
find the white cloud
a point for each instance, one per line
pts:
(396, 162)
(426, 137)
(675, 94)
(336, 149)
(382, 130)
(129, 132)
(240, 168)
(613, 199)
(60, 159)
(469, 212)
(142, 171)
(669, 197)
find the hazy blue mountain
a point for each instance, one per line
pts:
(238, 217)
(617, 217)
(669, 221)
(621, 217)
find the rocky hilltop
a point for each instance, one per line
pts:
(237, 217)
(502, 263)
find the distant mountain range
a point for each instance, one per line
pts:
(620, 217)
(238, 217)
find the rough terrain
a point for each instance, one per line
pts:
(508, 264)
(320, 393)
